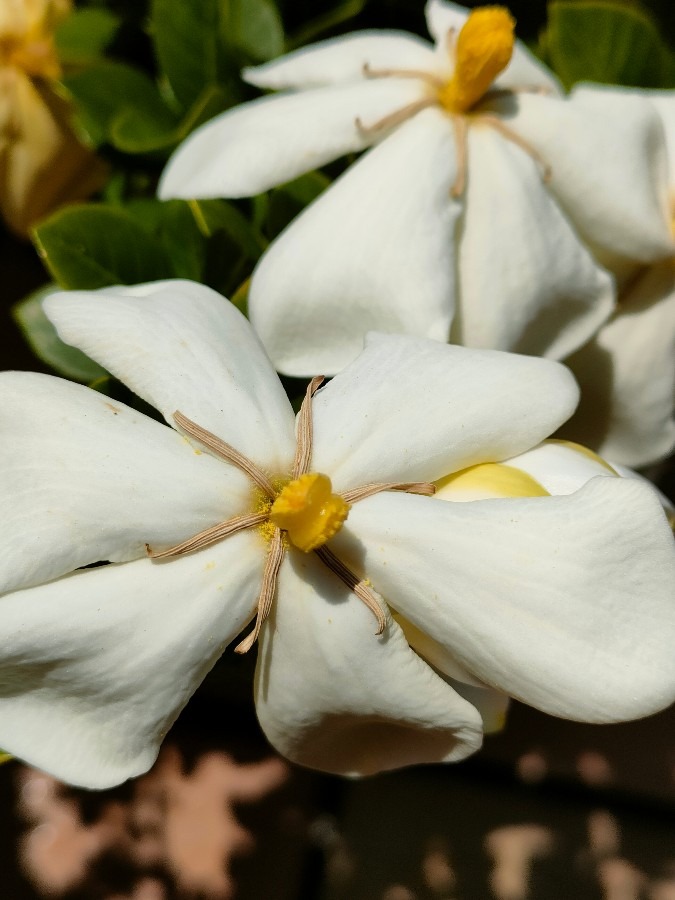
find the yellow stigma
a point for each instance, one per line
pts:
(483, 50)
(309, 511)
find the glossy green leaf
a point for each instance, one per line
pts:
(315, 28)
(105, 92)
(254, 27)
(83, 36)
(92, 246)
(132, 131)
(188, 45)
(173, 225)
(605, 42)
(48, 346)
(212, 216)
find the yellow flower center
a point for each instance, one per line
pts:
(483, 50)
(308, 511)
(489, 480)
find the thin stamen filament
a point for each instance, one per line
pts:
(423, 488)
(395, 118)
(209, 536)
(429, 77)
(516, 139)
(268, 589)
(303, 447)
(226, 451)
(357, 585)
(460, 128)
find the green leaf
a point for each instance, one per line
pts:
(212, 216)
(48, 346)
(93, 245)
(254, 27)
(605, 42)
(134, 132)
(107, 91)
(173, 224)
(83, 36)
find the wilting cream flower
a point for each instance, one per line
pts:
(627, 371)
(42, 165)
(323, 531)
(478, 217)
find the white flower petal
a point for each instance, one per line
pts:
(343, 59)
(560, 467)
(409, 410)
(664, 101)
(95, 667)
(627, 375)
(541, 292)
(257, 145)
(492, 705)
(181, 346)
(565, 603)
(607, 156)
(332, 695)
(84, 479)
(375, 251)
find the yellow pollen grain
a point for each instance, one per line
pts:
(308, 511)
(483, 50)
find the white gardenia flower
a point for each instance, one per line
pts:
(478, 217)
(627, 370)
(319, 530)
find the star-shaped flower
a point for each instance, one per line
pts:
(316, 530)
(479, 215)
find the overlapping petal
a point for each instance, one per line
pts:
(409, 410)
(560, 467)
(541, 292)
(332, 695)
(375, 251)
(95, 667)
(343, 59)
(181, 346)
(620, 205)
(627, 375)
(573, 611)
(263, 143)
(91, 479)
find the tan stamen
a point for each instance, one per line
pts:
(209, 536)
(226, 451)
(434, 80)
(510, 135)
(359, 586)
(268, 589)
(460, 128)
(423, 488)
(303, 448)
(395, 118)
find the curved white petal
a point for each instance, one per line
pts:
(375, 251)
(343, 59)
(332, 695)
(627, 375)
(181, 346)
(257, 145)
(560, 467)
(84, 478)
(527, 283)
(606, 152)
(664, 101)
(95, 667)
(524, 70)
(565, 602)
(415, 410)
(493, 706)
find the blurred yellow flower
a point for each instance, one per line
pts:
(42, 164)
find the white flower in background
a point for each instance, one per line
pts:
(562, 601)
(42, 165)
(470, 220)
(627, 371)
